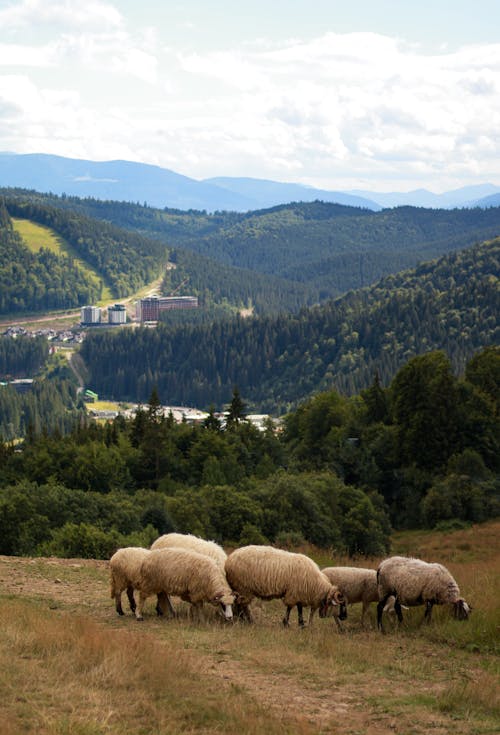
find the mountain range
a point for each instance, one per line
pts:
(160, 187)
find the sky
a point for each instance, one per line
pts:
(392, 95)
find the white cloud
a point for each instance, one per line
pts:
(60, 14)
(321, 110)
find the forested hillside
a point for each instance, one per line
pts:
(43, 280)
(421, 452)
(317, 250)
(451, 304)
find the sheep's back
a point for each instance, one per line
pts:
(357, 584)
(266, 572)
(194, 543)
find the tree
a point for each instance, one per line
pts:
(236, 412)
(425, 409)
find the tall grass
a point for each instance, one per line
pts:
(70, 675)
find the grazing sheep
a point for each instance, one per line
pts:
(269, 573)
(193, 577)
(415, 582)
(357, 585)
(125, 565)
(188, 541)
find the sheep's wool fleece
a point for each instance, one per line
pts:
(189, 541)
(125, 567)
(193, 577)
(415, 581)
(357, 584)
(266, 572)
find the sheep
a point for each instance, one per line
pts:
(415, 582)
(194, 577)
(269, 573)
(357, 585)
(124, 568)
(188, 541)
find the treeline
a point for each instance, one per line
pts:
(123, 260)
(422, 452)
(49, 406)
(22, 357)
(449, 304)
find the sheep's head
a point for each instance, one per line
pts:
(334, 598)
(225, 601)
(461, 610)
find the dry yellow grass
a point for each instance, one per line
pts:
(75, 667)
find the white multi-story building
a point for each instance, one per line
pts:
(117, 314)
(90, 315)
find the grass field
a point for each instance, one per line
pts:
(39, 236)
(74, 667)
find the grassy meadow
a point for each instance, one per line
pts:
(38, 236)
(73, 667)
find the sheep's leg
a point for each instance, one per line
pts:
(286, 619)
(338, 623)
(299, 614)
(245, 613)
(428, 611)
(131, 600)
(162, 603)
(311, 616)
(118, 603)
(397, 610)
(380, 610)
(140, 606)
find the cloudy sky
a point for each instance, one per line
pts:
(339, 94)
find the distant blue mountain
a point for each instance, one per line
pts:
(117, 180)
(463, 197)
(159, 187)
(492, 201)
(265, 193)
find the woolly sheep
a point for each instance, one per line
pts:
(415, 582)
(124, 568)
(193, 577)
(269, 573)
(357, 585)
(188, 541)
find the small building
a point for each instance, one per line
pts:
(89, 396)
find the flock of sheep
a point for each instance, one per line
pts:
(200, 571)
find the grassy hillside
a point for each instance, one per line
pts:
(76, 667)
(37, 236)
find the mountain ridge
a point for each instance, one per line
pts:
(132, 181)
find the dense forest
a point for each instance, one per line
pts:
(343, 471)
(451, 304)
(272, 260)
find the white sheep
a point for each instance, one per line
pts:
(415, 582)
(125, 565)
(193, 577)
(188, 541)
(358, 585)
(269, 573)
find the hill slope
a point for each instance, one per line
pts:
(450, 304)
(318, 250)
